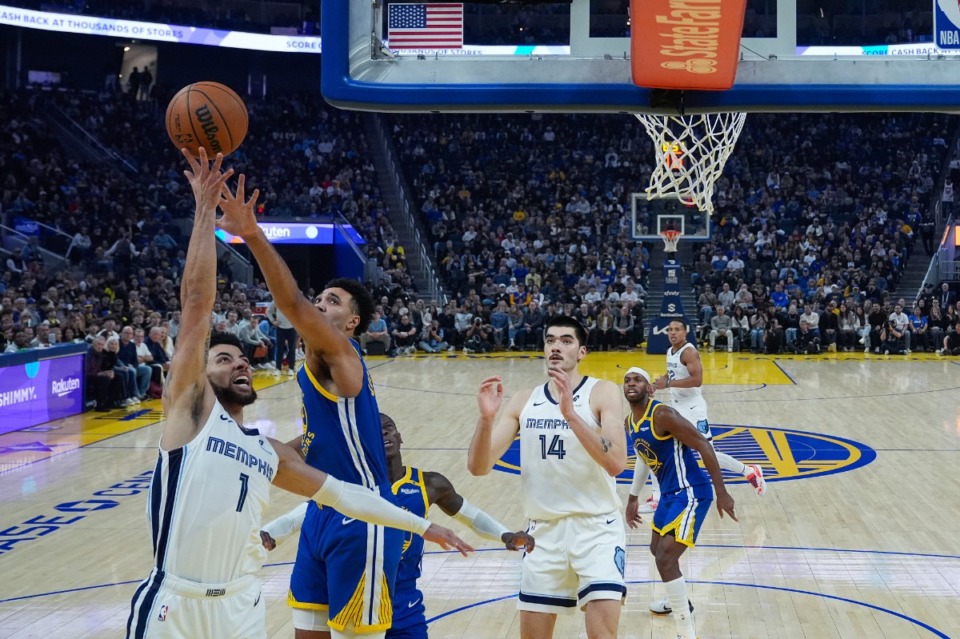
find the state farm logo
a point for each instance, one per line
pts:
(61, 387)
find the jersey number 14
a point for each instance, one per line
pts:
(555, 448)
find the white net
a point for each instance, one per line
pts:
(691, 151)
(670, 240)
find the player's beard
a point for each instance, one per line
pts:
(227, 395)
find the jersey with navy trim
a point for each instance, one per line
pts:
(673, 463)
(341, 435)
(408, 608)
(557, 475)
(207, 501)
(689, 401)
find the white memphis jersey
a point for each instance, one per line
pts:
(207, 501)
(557, 475)
(688, 401)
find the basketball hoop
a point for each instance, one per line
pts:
(691, 152)
(670, 240)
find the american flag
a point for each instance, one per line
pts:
(425, 26)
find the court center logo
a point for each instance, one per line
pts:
(784, 454)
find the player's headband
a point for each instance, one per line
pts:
(639, 371)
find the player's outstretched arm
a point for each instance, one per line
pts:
(669, 421)
(442, 493)
(283, 527)
(319, 335)
(354, 501)
(492, 437)
(185, 396)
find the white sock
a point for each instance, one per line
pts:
(677, 596)
(729, 463)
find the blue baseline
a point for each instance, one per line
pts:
(916, 622)
(343, 91)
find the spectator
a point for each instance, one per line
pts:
(807, 342)
(951, 342)
(376, 332)
(127, 356)
(721, 324)
(126, 374)
(404, 335)
(432, 339)
(478, 337)
(104, 385)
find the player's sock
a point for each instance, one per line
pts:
(677, 595)
(729, 463)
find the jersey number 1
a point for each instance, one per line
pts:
(556, 447)
(244, 480)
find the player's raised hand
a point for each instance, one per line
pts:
(238, 216)
(660, 383)
(725, 505)
(632, 514)
(518, 541)
(490, 396)
(564, 393)
(447, 539)
(206, 180)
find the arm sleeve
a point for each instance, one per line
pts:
(640, 472)
(286, 525)
(361, 503)
(480, 522)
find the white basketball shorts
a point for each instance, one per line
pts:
(167, 607)
(578, 558)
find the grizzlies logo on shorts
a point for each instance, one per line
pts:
(704, 427)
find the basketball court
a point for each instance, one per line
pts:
(855, 537)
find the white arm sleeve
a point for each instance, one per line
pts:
(360, 503)
(640, 472)
(286, 525)
(480, 522)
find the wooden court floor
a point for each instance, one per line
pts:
(858, 536)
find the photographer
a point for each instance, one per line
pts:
(807, 342)
(773, 337)
(478, 337)
(431, 339)
(892, 338)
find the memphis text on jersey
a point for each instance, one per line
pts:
(231, 450)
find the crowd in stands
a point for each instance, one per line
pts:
(540, 204)
(528, 217)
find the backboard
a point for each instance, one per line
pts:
(651, 216)
(795, 55)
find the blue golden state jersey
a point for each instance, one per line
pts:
(411, 494)
(674, 464)
(341, 435)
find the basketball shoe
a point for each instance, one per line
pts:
(755, 477)
(650, 505)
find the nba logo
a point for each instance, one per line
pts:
(946, 24)
(163, 613)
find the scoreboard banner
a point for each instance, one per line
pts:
(92, 25)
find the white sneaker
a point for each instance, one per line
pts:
(861, 340)
(650, 505)
(270, 365)
(290, 372)
(755, 477)
(662, 607)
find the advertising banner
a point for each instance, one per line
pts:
(40, 391)
(671, 308)
(294, 233)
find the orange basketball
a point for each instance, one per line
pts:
(207, 114)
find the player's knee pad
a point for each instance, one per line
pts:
(313, 620)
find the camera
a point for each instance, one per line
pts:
(477, 321)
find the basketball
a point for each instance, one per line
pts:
(207, 114)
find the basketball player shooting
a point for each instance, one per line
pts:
(212, 480)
